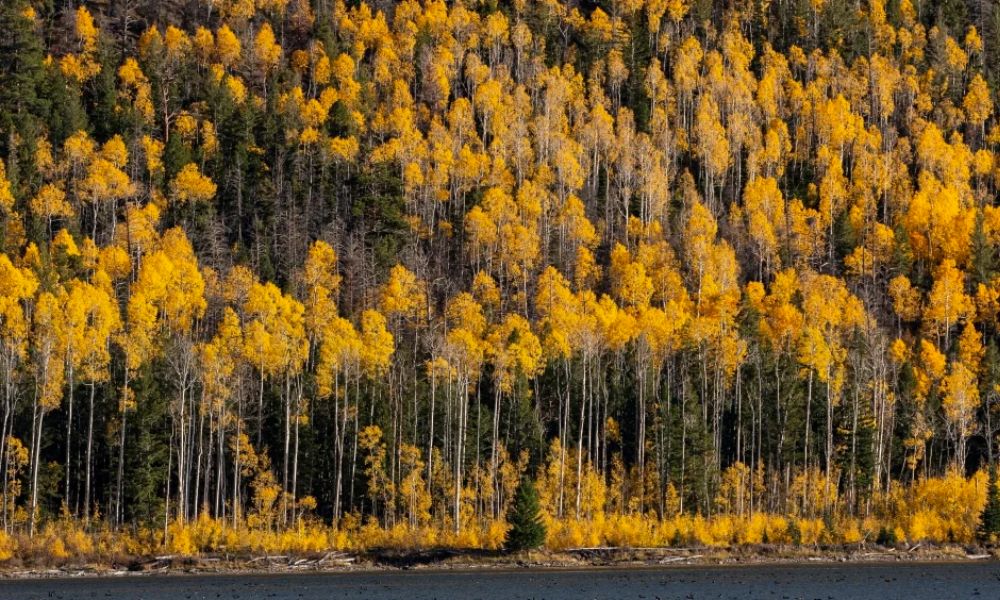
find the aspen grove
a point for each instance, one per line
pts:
(308, 274)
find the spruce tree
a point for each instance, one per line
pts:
(21, 74)
(526, 528)
(989, 520)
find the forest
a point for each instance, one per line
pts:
(308, 274)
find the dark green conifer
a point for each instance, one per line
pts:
(989, 520)
(527, 531)
(21, 74)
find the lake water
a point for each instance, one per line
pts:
(908, 581)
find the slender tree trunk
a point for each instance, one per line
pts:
(120, 476)
(579, 440)
(69, 433)
(829, 437)
(494, 468)
(90, 449)
(36, 447)
(430, 435)
(805, 470)
(338, 449)
(181, 452)
(641, 442)
(288, 432)
(463, 399)
(563, 434)
(8, 418)
(295, 454)
(237, 467)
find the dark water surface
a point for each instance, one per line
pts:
(909, 581)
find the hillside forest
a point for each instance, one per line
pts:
(309, 274)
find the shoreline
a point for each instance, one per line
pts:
(451, 561)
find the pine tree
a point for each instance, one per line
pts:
(526, 528)
(989, 520)
(21, 75)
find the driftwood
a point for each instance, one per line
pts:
(292, 562)
(268, 558)
(630, 549)
(675, 559)
(338, 557)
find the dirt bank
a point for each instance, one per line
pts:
(450, 559)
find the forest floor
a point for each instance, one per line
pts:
(450, 559)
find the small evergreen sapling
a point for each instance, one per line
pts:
(989, 520)
(527, 531)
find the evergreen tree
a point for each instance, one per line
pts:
(526, 528)
(989, 521)
(983, 254)
(21, 56)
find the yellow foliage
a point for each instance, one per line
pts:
(947, 302)
(180, 539)
(811, 531)
(514, 350)
(377, 343)
(266, 50)
(977, 103)
(849, 186)
(6, 195)
(57, 549)
(403, 293)
(227, 46)
(8, 547)
(942, 509)
(237, 89)
(191, 186)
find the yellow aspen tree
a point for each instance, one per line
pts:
(712, 145)
(227, 46)
(50, 203)
(49, 347)
(191, 186)
(947, 302)
(136, 89)
(960, 401)
(105, 181)
(562, 324)
(167, 298)
(6, 194)
(338, 347)
(515, 351)
(15, 335)
(403, 294)
(83, 65)
(338, 363)
(380, 484)
(377, 343)
(465, 348)
(831, 312)
(906, 299)
(220, 361)
(100, 323)
(322, 282)
(765, 221)
(267, 52)
(978, 103)
(277, 346)
(413, 493)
